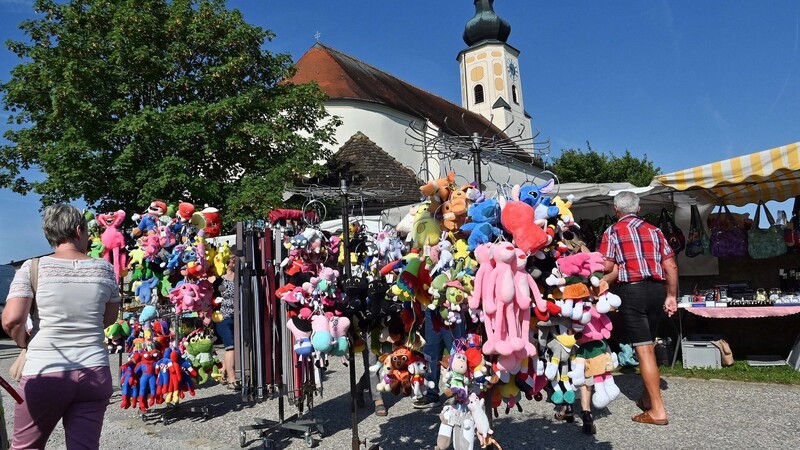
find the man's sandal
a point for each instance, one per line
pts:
(380, 410)
(646, 419)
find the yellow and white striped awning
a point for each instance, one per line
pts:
(768, 175)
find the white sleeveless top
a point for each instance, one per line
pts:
(71, 300)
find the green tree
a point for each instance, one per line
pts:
(120, 102)
(576, 165)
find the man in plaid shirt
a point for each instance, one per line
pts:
(647, 282)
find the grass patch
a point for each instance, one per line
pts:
(739, 371)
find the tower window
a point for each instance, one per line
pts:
(514, 94)
(478, 93)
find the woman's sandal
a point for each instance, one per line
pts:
(567, 415)
(380, 410)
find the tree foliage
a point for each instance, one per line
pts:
(121, 102)
(576, 165)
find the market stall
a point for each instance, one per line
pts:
(756, 267)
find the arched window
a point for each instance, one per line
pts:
(478, 93)
(514, 94)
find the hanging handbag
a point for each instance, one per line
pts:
(728, 237)
(765, 243)
(674, 235)
(16, 368)
(791, 232)
(698, 242)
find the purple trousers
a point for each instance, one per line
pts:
(79, 397)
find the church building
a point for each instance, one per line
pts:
(397, 134)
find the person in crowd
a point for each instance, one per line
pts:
(66, 375)
(436, 341)
(647, 282)
(369, 382)
(225, 289)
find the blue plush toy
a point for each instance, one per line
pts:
(534, 196)
(145, 290)
(484, 216)
(626, 355)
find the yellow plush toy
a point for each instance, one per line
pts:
(427, 230)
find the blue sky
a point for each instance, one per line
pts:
(684, 82)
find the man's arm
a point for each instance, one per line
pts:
(671, 272)
(611, 271)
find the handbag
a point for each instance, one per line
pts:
(16, 368)
(728, 237)
(698, 242)
(672, 233)
(791, 232)
(765, 243)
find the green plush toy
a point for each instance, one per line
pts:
(200, 351)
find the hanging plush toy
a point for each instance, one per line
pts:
(200, 352)
(149, 220)
(113, 240)
(457, 377)
(213, 222)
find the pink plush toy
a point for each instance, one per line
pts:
(339, 327)
(152, 245)
(481, 287)
(525, 285)
(502, 282)
(184, 297)
(321, 336)
(301, 331)
(113, 239)
(595, 360)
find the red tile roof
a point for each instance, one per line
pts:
(342, 76)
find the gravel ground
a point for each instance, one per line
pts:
(703, 414)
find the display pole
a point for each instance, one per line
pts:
(476, 158)
(356, 441)
(476, 169)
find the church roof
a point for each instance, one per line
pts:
(342, 76)
(368, 166)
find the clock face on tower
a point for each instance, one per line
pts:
(512, 69)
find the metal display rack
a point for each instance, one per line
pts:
(343, 193)
(170, 413)
(477, 149)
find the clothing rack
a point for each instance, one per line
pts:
(268, 365)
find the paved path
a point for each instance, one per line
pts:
(703, 414)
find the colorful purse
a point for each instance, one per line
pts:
(765, 243)
(728, 237)
(698, 242)
(672, 233)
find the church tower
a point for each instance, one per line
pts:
(490, 76)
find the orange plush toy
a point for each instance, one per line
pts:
(439, 190)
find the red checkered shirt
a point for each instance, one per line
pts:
(637, 247)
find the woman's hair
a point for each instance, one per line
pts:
(59, 223)
(627, 202)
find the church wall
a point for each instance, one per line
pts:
(387, 128)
